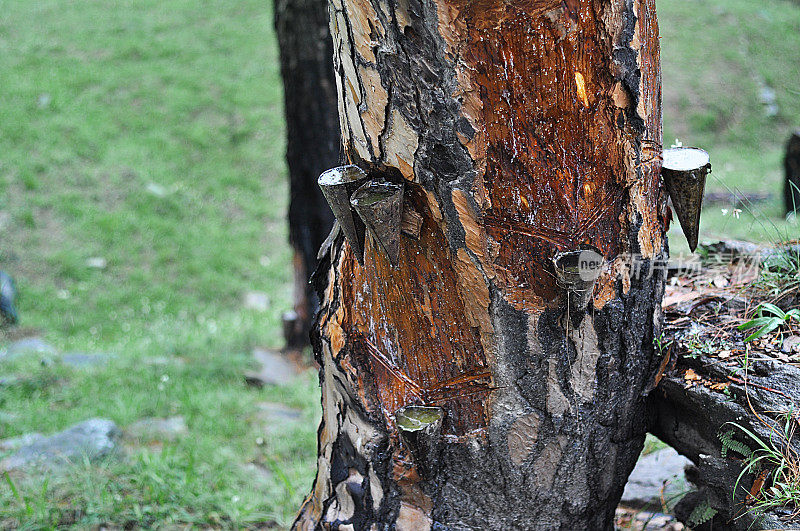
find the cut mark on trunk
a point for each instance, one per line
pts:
(467, 384)
(416, 320)
(580, 87)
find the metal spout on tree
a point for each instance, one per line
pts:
(337, 185)
(420, 429)
(576, 272)
(684, 171)
(379, 204)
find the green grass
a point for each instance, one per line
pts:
(104, 104)
(150, 134)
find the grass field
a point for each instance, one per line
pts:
(150, 134)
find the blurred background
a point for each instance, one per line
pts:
(143, 196)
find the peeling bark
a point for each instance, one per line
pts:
(519, 130)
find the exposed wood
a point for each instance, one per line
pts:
(411, 223)
(519, 131)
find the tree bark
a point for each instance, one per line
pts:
(520, 130)
(312, 142)
(791, 164)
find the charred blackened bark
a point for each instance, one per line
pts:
(312, 142)
(791, 164)
(520, 131)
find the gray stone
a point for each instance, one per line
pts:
(168, 429)
(91, 439)
(276, 412)
(164, 360)
(662, 469)
(275, 369)
(28, 345)
(7, 417)
(85, 359)
(8, 381)
(15, 443)
(256, 300)
(790, 345)
(258, 472)
(5, 220)
(273, 416)
(96, 262)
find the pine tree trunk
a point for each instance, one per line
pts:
(312, 141)
(519, 130)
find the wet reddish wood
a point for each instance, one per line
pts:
(413, 332)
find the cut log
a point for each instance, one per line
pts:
(714, 379)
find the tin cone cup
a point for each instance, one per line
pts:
(576, 272)
(379, 204)
(337, 185)
(420, 429)
(684, 170)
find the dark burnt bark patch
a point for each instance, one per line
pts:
(312, 140)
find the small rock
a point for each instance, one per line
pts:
(84, 359)
(8, 381)
(767, 96)
(645, 484)
(28, 345)
(15, 443)
(7, 417)
(168, 429)
(164, 360)
(272, 415)
(276, 412)
(96, 262)
(256, 300)
(720, 281)
(275, 369)
(5, 220)
(156, 189)
(43, 100)
(91, 439)
(791, 345)
(258, 472)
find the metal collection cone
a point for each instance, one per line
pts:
(420, 429)
(576, 272)
(337, 185)
(380, 205)
(684, 171)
